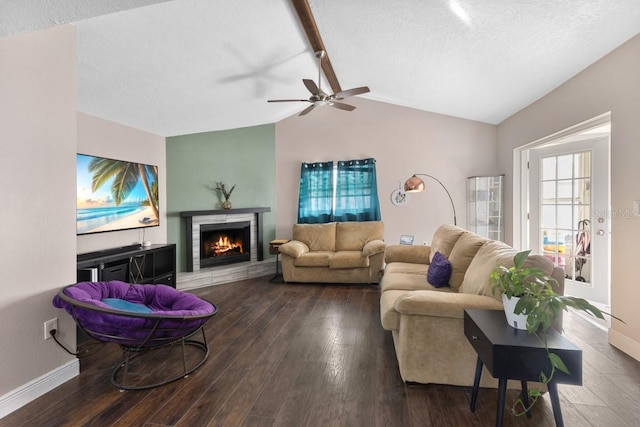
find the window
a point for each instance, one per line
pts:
(340, 191)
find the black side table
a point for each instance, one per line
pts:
(274, 246)
(509, 353)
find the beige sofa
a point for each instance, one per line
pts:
(427, 322)
(337, 252)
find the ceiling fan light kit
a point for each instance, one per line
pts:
(319, 98)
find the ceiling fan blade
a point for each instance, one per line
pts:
(307, 110)
(351, 92)
(311, 86)
(288, 100)
(341, 106)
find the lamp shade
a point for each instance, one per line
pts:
(414, 185)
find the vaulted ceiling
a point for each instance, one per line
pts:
(185, 66)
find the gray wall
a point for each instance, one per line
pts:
(99, 137)
(37, 187)
(611, 84)
(403, 141)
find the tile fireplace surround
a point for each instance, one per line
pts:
(198, 277)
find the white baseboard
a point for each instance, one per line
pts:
(30, 391)
(624, 343)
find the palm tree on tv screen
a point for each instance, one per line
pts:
(125, 177)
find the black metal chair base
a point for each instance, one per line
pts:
(131, 353)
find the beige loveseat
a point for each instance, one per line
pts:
(337, 252)
(427, 322)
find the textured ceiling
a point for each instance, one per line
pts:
(22, 16)
(186, 66)
(481, 60)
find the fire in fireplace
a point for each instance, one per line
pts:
(224, 243)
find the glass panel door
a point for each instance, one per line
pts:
(566, 208)
(568, 205)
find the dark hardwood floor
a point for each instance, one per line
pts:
(316, 355)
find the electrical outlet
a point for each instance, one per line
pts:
(48, 326)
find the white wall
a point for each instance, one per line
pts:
(611, 84)
(99, 137)
(403, 141)
(37, 188)
(42, 132)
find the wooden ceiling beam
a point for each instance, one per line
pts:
(308, 22)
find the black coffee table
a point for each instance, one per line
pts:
(509, 353)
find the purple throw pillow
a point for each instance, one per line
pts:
(439, 271)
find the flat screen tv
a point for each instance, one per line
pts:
(115, 195)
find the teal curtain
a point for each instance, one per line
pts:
(357, 191)
(315, 204)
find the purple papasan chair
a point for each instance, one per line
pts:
(139, 318)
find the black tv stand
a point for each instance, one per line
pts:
(155, 264)
(105, 252)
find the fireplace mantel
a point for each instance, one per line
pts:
(190, 215)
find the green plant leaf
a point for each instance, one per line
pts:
(543, 378)
(582, 304)
(520, 258)
(520, 306)
(557, 363)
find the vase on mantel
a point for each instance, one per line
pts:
(226, 204)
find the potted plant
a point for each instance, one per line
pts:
(537, 300)
(227, 194)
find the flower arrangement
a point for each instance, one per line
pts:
(220, 186)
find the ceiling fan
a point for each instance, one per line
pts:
(319, 98)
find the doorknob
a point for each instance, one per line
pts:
(600, 232)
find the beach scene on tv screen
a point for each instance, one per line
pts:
(115, 195)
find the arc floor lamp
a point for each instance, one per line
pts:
(416, 185)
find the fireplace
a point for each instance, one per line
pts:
(225, 243)
(196, 219)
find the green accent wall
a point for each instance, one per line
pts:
(243, 157)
